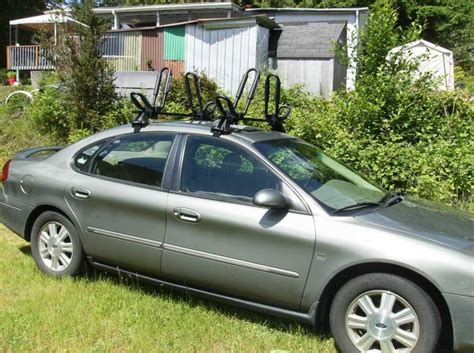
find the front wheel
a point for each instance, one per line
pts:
(55, 245)
(384, 313)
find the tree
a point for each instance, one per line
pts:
(381, 34)
(87, 79)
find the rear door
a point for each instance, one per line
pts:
(119, 202)
(216, 238)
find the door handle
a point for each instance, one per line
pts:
(187, 215)
(80, 193)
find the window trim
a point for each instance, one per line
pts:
(108, 141)
(175, 189)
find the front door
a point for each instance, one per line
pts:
(216, 238)
(118, 200)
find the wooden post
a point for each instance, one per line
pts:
(8, 57)
(36, 56)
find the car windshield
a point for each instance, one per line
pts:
(327, 180)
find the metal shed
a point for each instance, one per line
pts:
(225, 49)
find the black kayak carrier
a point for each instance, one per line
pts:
(224, 111)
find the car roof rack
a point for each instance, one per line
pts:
(147, 110)
(223, 110)
(275, 118)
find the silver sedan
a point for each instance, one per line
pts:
(255, 218)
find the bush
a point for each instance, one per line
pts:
(177, 99)
(3, 76)
(50, 112)
(18, 131)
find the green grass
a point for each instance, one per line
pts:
(103, 313)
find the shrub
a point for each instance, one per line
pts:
(177, 99)
(3, 76)
(50, 112)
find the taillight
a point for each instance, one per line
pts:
(5, 170)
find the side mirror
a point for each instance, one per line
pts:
(270, 198)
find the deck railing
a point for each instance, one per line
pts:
(28, 57)
(122, 50)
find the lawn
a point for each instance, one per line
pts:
(103, 313)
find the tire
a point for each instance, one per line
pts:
(55, 245)
(362, 316)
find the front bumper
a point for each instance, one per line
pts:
(462, 315)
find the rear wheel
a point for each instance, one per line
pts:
(56, 246)
(383, 313)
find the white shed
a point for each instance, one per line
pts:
(433, 59)
(225, 49)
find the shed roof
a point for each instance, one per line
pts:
(309, 40)
(419, 43)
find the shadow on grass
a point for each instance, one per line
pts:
(284, 325)
(272, 322)
(26, 249)
(281, 324)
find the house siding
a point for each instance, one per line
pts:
(122, 50)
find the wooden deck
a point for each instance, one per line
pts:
(27, 57)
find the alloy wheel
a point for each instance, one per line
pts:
(381, 321)
(55, 246)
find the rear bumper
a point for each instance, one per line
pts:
(13, 214)
(462, 314)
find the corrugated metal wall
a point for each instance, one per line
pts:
(174, 44)
(176, 66)
(223, 54)
(123, 50)
(152, 49)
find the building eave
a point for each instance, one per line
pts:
(289, 9)
(168, 8)
(214, 23)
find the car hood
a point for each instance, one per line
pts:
(432, 221)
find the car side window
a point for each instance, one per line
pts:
(138, 158)
(219, 168)
(82, 159)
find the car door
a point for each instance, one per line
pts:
(217, 238)
(118, 200)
